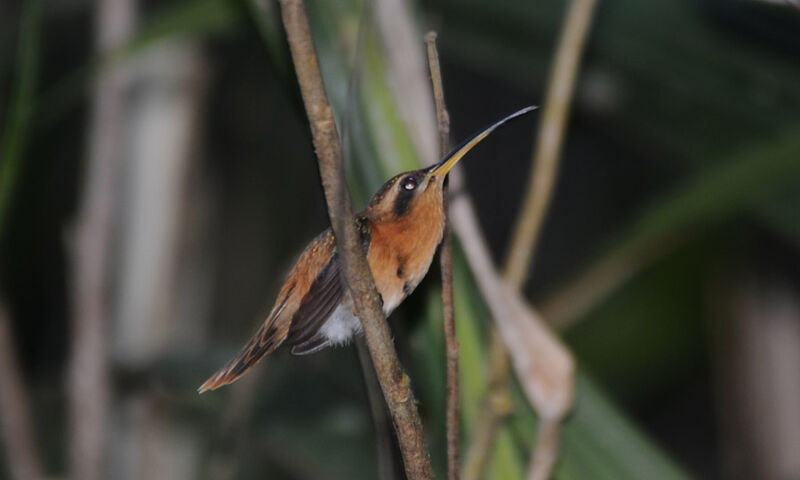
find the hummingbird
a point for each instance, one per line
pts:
(400, 230)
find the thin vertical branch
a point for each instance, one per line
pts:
(442, 117)
(16, 428)
(395, 384)
(540, 186)
(89, 384)
(446, 262)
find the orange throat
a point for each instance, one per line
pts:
(401, 250)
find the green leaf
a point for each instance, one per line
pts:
(17, 131)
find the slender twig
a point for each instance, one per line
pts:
(526, 233)
(15, 417)
(446, 262)
(442, 117)
(89, 384)
(395, 384)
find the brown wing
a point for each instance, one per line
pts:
(318, 304)
(298, 316)
(322, 299)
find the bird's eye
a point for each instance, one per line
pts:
(409, 183)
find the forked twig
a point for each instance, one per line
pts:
(446, 261)
(394, 382)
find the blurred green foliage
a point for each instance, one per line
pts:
(17, 122)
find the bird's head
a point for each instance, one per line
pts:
(409, 191)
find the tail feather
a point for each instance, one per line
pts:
(264, 342)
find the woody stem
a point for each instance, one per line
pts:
(395, 384)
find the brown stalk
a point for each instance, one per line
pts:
(89, 377)
(540, 186)
(395, 384)
(15, 416)
(446, 261)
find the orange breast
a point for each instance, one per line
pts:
(401, 250)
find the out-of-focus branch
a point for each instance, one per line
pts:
(89, 384)
(550, 139)
(755, 335)
(15, 418)
(446, 261)
(540, 186)
(394, 382)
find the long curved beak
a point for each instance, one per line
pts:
(458, 153)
